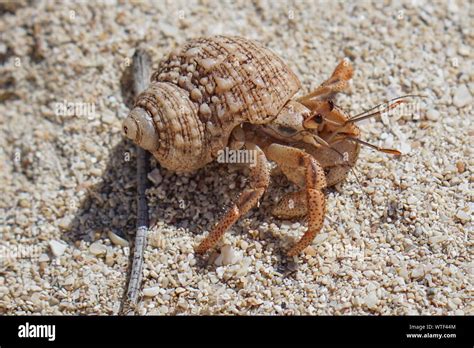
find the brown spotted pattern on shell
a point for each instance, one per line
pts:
(206, 88)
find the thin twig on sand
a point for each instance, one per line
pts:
(141, 70)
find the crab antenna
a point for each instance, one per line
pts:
(360, 117)
(374, 114)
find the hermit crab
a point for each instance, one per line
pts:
(229, 92)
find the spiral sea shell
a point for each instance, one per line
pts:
(201, 92)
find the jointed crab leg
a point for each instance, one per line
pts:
(336, 83)
(314, 182)
(291, 206)
(260, 177)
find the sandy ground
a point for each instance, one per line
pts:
(398, 243)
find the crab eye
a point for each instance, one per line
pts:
(318, 118)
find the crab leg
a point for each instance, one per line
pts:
(291, 206)
(336, 83)
(315, 182)
(260, 177)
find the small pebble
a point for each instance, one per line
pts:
(463, 216)
(24, 203)
(109, 257)
(108, 118)
(97, 248)
(460, 166)
(464, 50)
(462, 96)
(227, 257)
(245, 264)
(417, 273)
(325, 270)
(167, 29)
(117, 240)
(371, 300)
(57, 248)
(244, 245)
(405, 148)
(220, 272)
(155, 176)
(64, 222)
(69, 281)
(321, 237)
(432, 115)
(310, 251)
(3, 48)
(151, 292)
